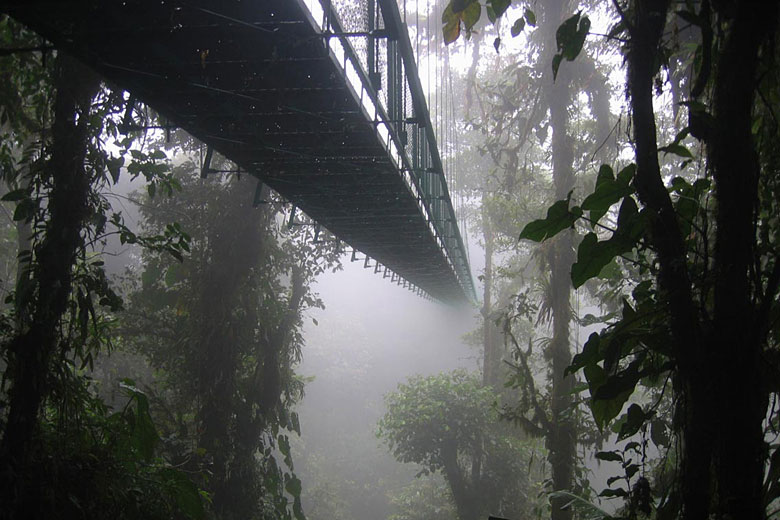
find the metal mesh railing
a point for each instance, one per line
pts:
(370, 40)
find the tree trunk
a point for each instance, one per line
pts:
(463, 492)
(561, 437)
(32, 348)
(234, 250)
(723, 454)
(491, 362)
(739, 450)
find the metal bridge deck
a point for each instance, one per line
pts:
(258, 81)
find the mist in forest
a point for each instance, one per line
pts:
(371, 336)
(570, 307)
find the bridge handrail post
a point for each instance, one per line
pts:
(442, 209)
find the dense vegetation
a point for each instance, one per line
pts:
(621, 174)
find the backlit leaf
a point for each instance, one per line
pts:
(530, 17)
(499, 6)
(517, 27)
(471, 14)
(559, 217)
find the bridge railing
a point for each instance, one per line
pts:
(371, 42)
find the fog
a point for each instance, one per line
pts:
(371, 336)
(186, 331)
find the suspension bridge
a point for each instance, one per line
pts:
(319, 99)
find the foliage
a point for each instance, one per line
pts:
(57, 125)
(695, 288)
(447, 423)
(223, 330)
(427, 498)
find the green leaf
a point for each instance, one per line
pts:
(609, 493)
(607, 192)
(592, 256)
(570, 36)
(451, 32)
(284, 445)
(677, 149)
(491, 14)
(298, 509)
(451, 23)
(114, 165)
(459, 5)
(16, 195)
(185, 493)
(658, 433)
(616, 386)
(530, 17)
(499, 6)
(556, 63)
(590, 355)
(582, 507)
(635, 418)
(497, 43)
(25, 210)
(471, 14)
(609, 456)
(293, 486)
(603, 409)
(144, 433)
(173, 274)
(517, 27)
(625, 175)
(559, 217)
(295, 423)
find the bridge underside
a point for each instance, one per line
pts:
(256, 82)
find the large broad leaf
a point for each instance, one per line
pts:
(592, 256)
(185, 493)
(293, 486)
(530, 17)
(605, 403)
(451, 23)
(609, 456)
(471, 14)
(677, 149)
(144, 433)
(499, 6)
(635, 418)
(687, 204)
(518, 27)
(584, 509)
(570, 37)
(607, 192)
(616, 385)
(590, 355)
(604, 410)
(559, 217)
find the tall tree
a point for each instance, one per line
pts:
(224, 326)
(446, 423)
(55, 119)
(724, 406)
(561, 439)
(705, 316)
(32, 347)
